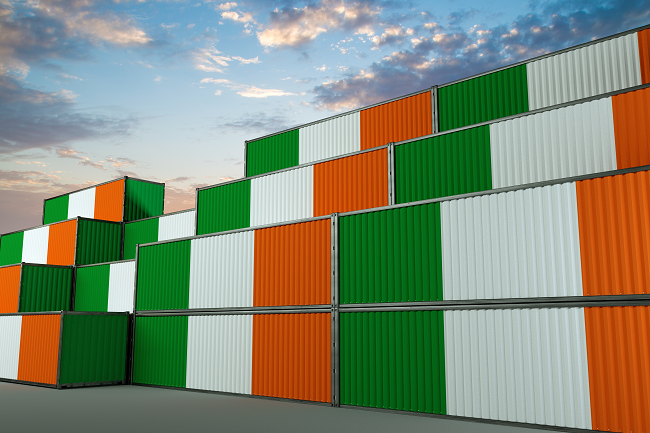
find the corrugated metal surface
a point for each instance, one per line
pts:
(484, 98)
(221, 271)
(555, 144)
(180, 225)
(45, 288)
(219, 353)
(396, 121)
(98, 242)
(109, 201)
(35, 245)
(82, 203)
(445, 165)
(632, 128)
(391, 256)
(614, 218)
(353, 183)
(9, 346)
(143, 200)
(93, 348)
(160, 351)
(618, 347)
(91, 288)
(61, 243)
(644, 54)
(139, 232)
(223, 208)
(164, 276)
(55, 209)
(393, 360)
(272, 153)
(120, 287)
(292, 264)
(11, 248)
(9, 290)
(520, 365)
(292, 357)
(39, 348)
(281, 197)
(518, 244)
(334, 137)
(592, 70)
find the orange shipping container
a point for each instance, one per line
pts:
(109, 201)
(632, 128)
(644, 54)
(9, 289)
(39, 348)
(61, 243)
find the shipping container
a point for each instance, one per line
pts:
(106, 287)
(124, 199)
(273, 266)
(272, 355)
(79, 241)
(65, 349)
(27, 288)
(351, 183)
(169, 226)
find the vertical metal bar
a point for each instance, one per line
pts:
(391, 174)
(20, 285)
(245, 157)
(131, 353)
(43, 215)
(73, 291)
(334, 223)
(434, 110)
(128, 372)
(76, 241)
(196, 212)
(124, 199)
(58, 362)
(122, 240)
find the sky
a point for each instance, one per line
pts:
(169, 90)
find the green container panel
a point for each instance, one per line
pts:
(223, 208)
(484, 98)
(139, 232)
(272, 153)
(11, 248)
(391, 256)
(393, 360)
(91, 288)
(143, 200)
(56, 209)
(98, 242)
(445, 165)
(45, 288)
(163, 277)
(160, 351)
(93, 348)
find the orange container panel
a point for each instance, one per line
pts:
(632, 128)
(292, 264)
(61, 243)
(396, 121)
(39, 348)
(109, 201)
(618, 352)
(644, 54)
(9, 289)
(614, 224)
(353, 183)
(291, 356)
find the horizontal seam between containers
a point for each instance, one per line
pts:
(105, 263)
(238, 310)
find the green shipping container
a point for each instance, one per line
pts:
(223, 208)
(11, 248)
(272, 153)
(91, 288)
(45, 288)
(163, 276)
(143, 199)
(488, 97)
(139, 232)
(98, 241)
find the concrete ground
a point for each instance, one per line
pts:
(25, 408)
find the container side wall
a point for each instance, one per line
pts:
(82, 204)
(91, 288)
(180, 225)
(45, 288)
(164, 276)
(281, 197)
(9, 289)
(292, 356)
(11, 248)
(55, 209)
(139, 232)
(450, 164)
(143, 200)
(334, 137)
(519, 365)
(221, 271)
(61, 243)
(292, 264)
(98, 242)
(396, 121)
(589, 71)
(632, 128)
(272, 153)
(109, 201)
(120, 287)
(353, 183)
(644, 54)
(160, 351)
(484, 98)
(39, 348)
(614, 218)
(219, 353)
(9, 346)
(35, 245)
(518, 244)
(570, 141)
(223, 208)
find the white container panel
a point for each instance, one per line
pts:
(180, 225)
(518, 244)
(121, 285)
(281, 197)
(555, 144)
(10, 327)
(331, 138)
(82, 203)
(519, 365)
(593, 70)
(35, 245)
(220, 353)
(221, 271)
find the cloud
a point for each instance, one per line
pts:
(245, 90)
(244, 61)
(178, 179)
(238, 17)
(177, 199)
(217, 92)
(321, 68)
(227, 6)
(123, 173)
(392, 35)
(260, 122)
(83, 160)
(212, 60)
(457, 17)
(120, 162)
